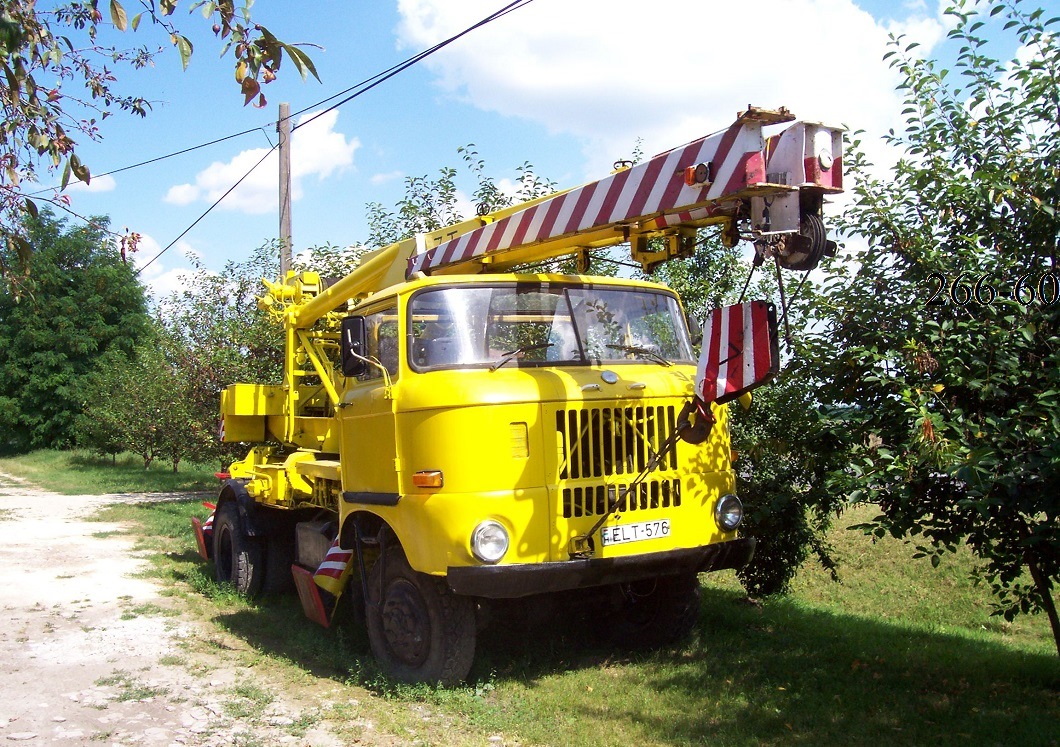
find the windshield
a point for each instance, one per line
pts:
(548, 324)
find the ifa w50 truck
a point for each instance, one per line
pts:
(450, 432)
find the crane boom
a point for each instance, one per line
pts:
(774, 186)
(735, 173)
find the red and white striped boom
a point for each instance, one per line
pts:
(736, 174)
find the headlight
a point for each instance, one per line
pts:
(489, 541)
(728, 512)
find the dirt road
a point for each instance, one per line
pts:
(88, 654)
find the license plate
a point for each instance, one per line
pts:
(641, 530)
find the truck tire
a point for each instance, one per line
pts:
(418, 629)
(657, 612)
(238, 558)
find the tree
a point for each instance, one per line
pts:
(102, 427)
(47, 54)
(939, 335)
(214, 334)
(142, 404)
(161, 400)
(430, 204)
(78, 303)
(785, 456)
(784, 453)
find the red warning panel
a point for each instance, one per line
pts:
(741, 351)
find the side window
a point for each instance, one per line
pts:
(382, 327)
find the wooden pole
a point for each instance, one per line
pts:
(284, 128)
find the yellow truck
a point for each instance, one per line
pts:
(450, 431)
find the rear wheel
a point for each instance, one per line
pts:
(238, 557)
(656, 612)
(418, 629)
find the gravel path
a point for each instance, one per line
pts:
(88, 655)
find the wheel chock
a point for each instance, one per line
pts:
(309, 594)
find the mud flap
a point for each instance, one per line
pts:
(200, 538)
(309, 594)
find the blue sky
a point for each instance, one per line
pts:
(569, 85)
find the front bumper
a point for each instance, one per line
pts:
(512, 581)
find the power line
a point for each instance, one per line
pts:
(386, 75)
(207, 212)
(365, 85)
(354, 91)
(174, 154)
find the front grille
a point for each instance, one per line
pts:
(592, 500)
(604, 442)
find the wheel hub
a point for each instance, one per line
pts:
(406, 623)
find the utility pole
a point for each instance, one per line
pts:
(283, 126)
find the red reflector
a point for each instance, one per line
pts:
(221, 475)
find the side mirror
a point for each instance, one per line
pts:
(695, 331)
(354, 346)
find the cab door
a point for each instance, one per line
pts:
(366, 415)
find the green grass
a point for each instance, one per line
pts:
(79, 472)
(130, 688)
(898, 653)
(245, 700)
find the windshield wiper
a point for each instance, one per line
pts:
(519, 351)
(642, 353)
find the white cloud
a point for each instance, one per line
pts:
(317, 150)
(182, 194)
(669, 77)
(387, 177)
(923, 27)
(103, 183)
(160, 278)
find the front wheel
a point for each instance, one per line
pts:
(238, 557)
(418, 629)
(656, 612)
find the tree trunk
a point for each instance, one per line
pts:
(176, 461)
(1045, 591)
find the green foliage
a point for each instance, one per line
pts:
(952, 409)
(162, 399)
(143, 404)
(708, 280)
(59, 82)
(430, 204)
(80, 305)
(332, 262)
(213, 334)
(784, 457)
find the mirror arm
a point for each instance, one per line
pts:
(387, 384)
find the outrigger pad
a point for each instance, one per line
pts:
(309, 594)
